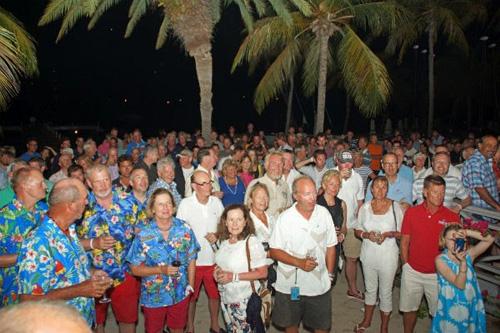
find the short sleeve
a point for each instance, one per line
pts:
(461, 192)
(257, 254)
(194, 246)
(362, 216)
(136, 255)
(399, 215)
(278, 237)
(360, 194)
(181, 210)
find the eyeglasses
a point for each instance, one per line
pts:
(204, 183)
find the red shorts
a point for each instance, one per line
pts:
(124, 302)
(175, 317)
(205, 275)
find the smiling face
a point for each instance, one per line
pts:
(379, 189)
(163, 207)
(434, 194)
(139, 181)
(100, 183)
(332, 186)
(259, 201)
(235, 222)
(441, 164)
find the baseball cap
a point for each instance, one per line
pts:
(344, 156)
(185, 152)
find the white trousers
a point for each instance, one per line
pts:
(379, 280)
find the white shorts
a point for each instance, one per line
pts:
(413, 286)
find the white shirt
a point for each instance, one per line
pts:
(314, 173)
(233, 258)
(213, 177)
(263, 232)
(202, 218)
(373, 254)
(297, 236)
(453, 171)
(280, 197)
(351, 192)
(58, 176)
(294, 174)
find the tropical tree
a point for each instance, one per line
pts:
(191, 21)
(17, 57)
(323, 41)
(432, 19)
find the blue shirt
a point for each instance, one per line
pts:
(132, 145)
(172, 188)
(400, 190)
(478, 172)
(118, 221)
(233, 194)
(151, 249)
(15, 224)
(51, 260)
(28, 156)
(4, 179)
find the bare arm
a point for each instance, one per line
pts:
(404, 245)
(8, 260)
(330, 259)
(143, 270)
(466, 202)
(486, 196)
(482, 246)
(343, 229)
(89, 288)
(191, 272)
(303, 163)
(458, 280)
(304, 264)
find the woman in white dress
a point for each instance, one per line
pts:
(236, 230)
(379, 224)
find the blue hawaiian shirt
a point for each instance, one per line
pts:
(50, 259)
(172, 188)
(118, 221)
(151, 249)
(15, 224)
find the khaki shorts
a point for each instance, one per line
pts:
(414, 285)
(352, 245)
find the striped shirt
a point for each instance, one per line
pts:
(478, 172)
(454, 189)
(364, 172)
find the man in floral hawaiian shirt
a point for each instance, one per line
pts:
(139, 183)
(17, 219)
(52, 263)
(107, 230)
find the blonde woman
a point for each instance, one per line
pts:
(230, 184)
(331, 184)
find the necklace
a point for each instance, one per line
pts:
(233, 192)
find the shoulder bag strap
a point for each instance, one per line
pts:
(247, 250)
(394, 214)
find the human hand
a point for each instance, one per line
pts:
(340, 237)
(222, 277)
(95, 287)
(404, 205)
(103, 242)
(218, 194)
(345, 173)
(211, 238)
(189, 290)
(308, 264)
(380, 238)
(372, 236)
(169, 270)
(461, 255)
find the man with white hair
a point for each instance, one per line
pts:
(65, 161)
(166, 176)
(107, 232)
(280, 197)
(17, 219)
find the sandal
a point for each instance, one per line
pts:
(359, 329)
(358, 296)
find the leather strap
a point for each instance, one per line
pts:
(247, 250)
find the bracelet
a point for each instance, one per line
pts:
(92, 243)
(362, 235)
(236, 277)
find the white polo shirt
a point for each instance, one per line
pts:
(297, 236)
(203, 218)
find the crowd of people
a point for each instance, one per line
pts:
(147, 223)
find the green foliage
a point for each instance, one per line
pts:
(17, 57)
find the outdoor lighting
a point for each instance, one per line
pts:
(168, 102)
(416, 46)
(125, 100)
(484, 38)
(180, 100)
(492, 45)
(424, 51)
(76, 132)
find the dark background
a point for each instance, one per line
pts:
(98, 77)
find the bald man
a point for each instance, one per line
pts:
(53, 264)
(17, 219)
(44, 317)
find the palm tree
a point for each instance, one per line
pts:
(323, 41)
(191, 21)
(432, 18)
(17, 57)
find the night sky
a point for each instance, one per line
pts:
(98, 77)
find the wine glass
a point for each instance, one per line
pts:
(105, 299)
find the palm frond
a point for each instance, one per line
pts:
(277, 75)
(402, 39)
(56, 9)
(102, 8)
(303, 6)
(246, 13)
(366, 78)
(215, 10)
(449, 23)
(163, 32)
(260, 7)
(137, 10)
(310, 70)
(269, 35)
(381, 16)
(281, 9)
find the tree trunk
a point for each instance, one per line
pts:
(203, 63)
(430, 115)
(289, 106)
(323, 67)
(347, 112)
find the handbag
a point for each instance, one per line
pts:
(260, 303)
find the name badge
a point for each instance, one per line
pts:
(295, 293)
